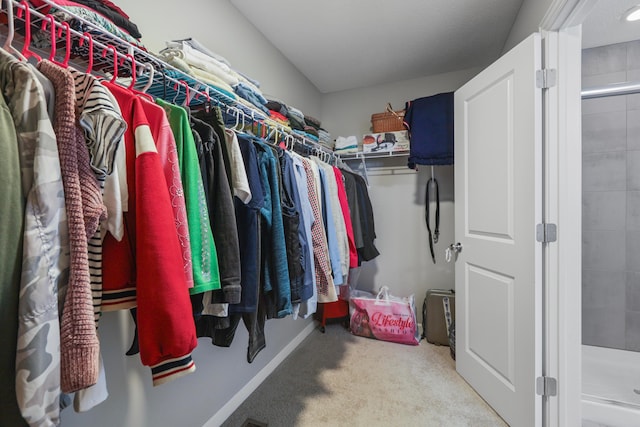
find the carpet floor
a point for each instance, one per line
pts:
(337, 379)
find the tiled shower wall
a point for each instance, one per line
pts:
(611, 201)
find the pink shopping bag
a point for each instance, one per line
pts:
(384, 317)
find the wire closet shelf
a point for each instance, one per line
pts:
(161, 79)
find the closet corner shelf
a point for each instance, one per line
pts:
(374, 155)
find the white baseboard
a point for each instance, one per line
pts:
(225, 412)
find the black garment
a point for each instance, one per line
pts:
(368, 251)
(291, 221)
(221, 212)
(213, 117)
(254, 322)
(366, 248)
(112, 14)
(351, 188)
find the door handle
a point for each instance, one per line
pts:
(454, 248)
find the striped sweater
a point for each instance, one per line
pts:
(103, 129)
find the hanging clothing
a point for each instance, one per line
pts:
(291, 219)
(206, 276)
(116, 192)
(368, 251)
(221, 212)
(324, 279)
(249, 230)
(240, 181)
(213, 117)
(79, 341)
(338, 218)
(45, 253)
(251, 307)
(168, 154)
(351, 188)
(276, 284)
(308, 306)
(103, 129)
(346, 214)
(157, 286)
(363, 221)
(12, 212)
(330, 227)
(217, 175)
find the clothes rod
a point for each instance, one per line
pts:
(626, 88)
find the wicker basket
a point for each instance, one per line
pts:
(388, 121)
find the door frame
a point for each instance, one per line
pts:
(563, 206)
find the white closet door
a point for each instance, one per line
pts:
(498, 131)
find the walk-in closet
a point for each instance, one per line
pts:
(240, 213)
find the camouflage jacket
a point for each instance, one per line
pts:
(45, 258)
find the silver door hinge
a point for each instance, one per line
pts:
(546, 233)
(546, 386)
(545, 78)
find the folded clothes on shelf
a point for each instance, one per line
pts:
(344, 145)
(297, 114)
(312, 121)
(324, 136)
(201, 48)
(278, 106)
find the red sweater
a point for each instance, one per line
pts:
(145, 269)
(346, 213)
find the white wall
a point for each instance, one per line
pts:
(189, 401)
(398, 197)
(398, 193)
(527, 22)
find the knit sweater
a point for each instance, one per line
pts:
(79, 341)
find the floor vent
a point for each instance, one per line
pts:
(253, 423)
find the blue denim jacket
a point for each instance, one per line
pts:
(276, 271)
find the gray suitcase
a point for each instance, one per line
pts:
(434, 325)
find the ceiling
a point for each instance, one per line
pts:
(347, 44)
(604, 25)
